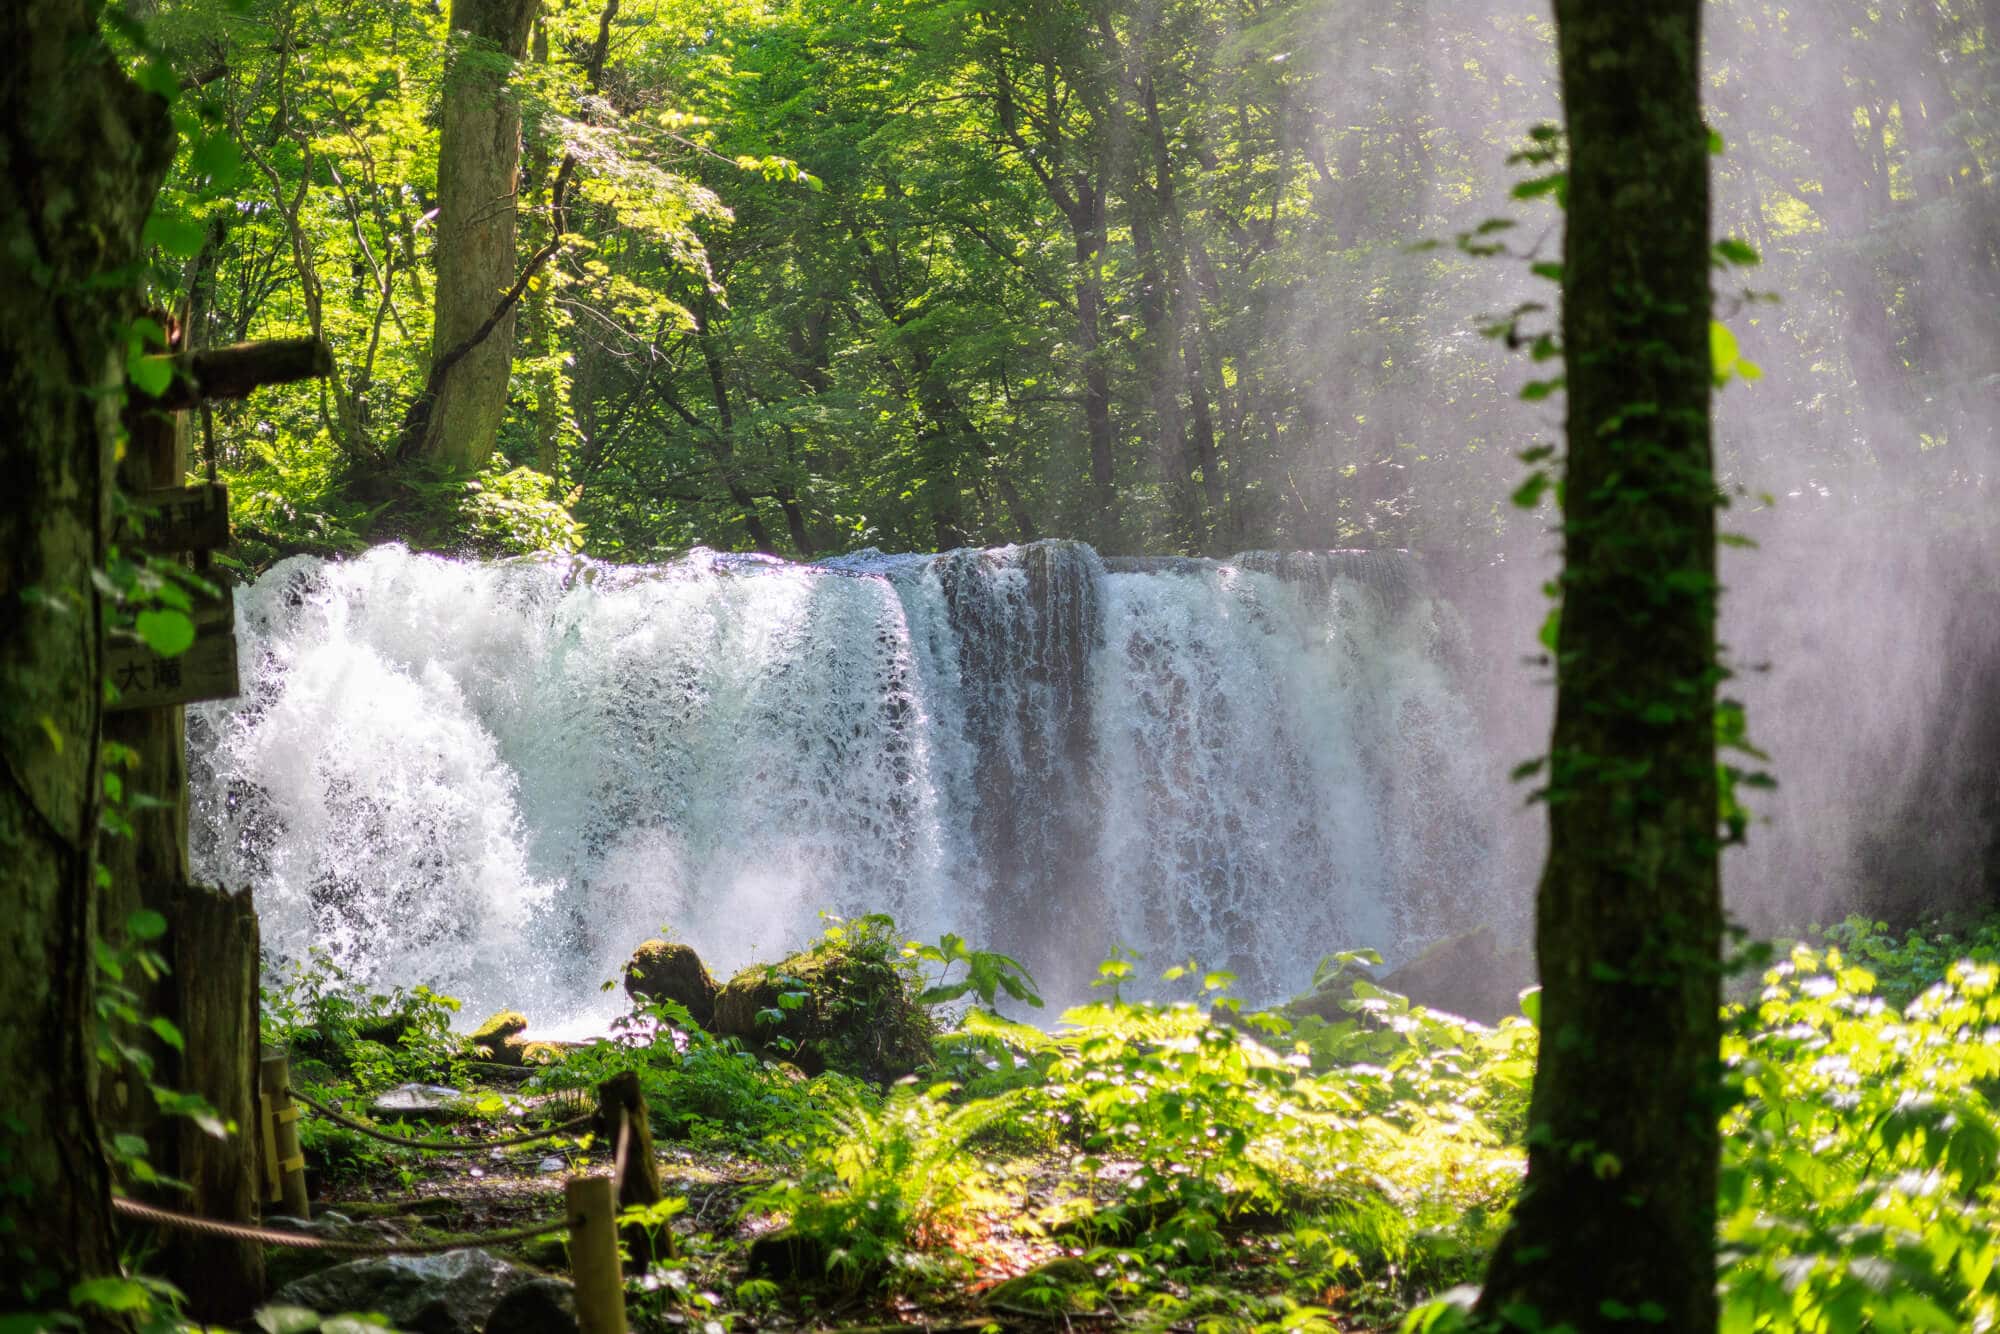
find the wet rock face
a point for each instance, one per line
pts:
(459, 1292)
(663, 971)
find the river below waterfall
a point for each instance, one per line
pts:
(496, 778)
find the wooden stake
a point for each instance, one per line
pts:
(620, 1098)
(273, 1189)
(592, 1203)
(275, 1076)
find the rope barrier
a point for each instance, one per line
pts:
(441, 1145)
(271, 1236)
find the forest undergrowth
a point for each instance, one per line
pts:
(1195, 1165)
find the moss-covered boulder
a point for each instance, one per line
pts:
(1332, 989)
(499, 1037)
(661, 970)
(848, 1003)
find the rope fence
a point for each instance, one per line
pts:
(590, 1203)
(271, 1236)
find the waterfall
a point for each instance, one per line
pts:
(496, 778)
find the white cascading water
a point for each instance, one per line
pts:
(497, 778)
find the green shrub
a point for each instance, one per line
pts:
(880, 1195)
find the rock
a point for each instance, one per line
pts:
(428, 1208)
(544, 1053)
(496, 1037)
(1468, 975)
(539, 1306)
(551, 1253)
(1034, 1290)
(452, 1293)
(662, 970)
(786, 1255)
(837, 1006)
(1333, 988)
(288, 1264)
(387, 1029)
(420, 1102)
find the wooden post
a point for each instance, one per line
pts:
(213, 950)
(275, 1075)
(620, 1098)
(592, 1203)
(271, 1186)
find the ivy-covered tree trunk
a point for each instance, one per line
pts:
(1616, 1220)
(82, 151)
(479, 164)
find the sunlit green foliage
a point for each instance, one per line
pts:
(1862, 1183)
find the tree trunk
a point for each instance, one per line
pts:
(1088, 227)
(1619, 1202)
(82, 151)
(545, 345)
(479, 160)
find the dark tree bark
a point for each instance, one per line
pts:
(1619, 1202)
(82, 151)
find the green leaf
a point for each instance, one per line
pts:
(163, 1028)
(217, 158)
(1557, 184)
(146, 924)
(111, 1294)
(182, 238)
(156, 76)
(150, 375)
(1529, 493)
(1723, 352)
(1729, 250)
(167, 632)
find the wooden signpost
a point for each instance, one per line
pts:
(207, 670)
(184, 518)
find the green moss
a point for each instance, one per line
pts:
(846, 1003)
(497, 1028)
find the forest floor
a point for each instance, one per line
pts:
(1342, 1163)
(719, 1278)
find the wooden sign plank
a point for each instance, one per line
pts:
(145, 680)
(184, 518)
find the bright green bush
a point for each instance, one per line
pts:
(1861, 1181)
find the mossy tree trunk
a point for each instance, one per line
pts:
(82, 151)
(479, 164)
(1616, 1219)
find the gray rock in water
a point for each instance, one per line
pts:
(453, 1293)
(539, 1306)
(420, 1102)
(1469, 975)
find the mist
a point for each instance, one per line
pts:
(1863, 625)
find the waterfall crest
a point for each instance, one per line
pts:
(496, 778)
